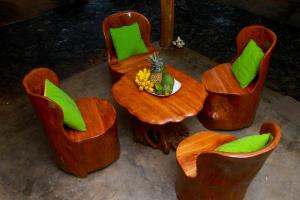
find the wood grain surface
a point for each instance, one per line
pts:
(75, 152)
(167, 23)
(164, 137)
(207, 174)
(191, 147)
(220, 79)
(98, 114)
(151, 109)
(229, 107)
(125, 18)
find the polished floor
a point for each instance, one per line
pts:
(27, 170)
(67, 38)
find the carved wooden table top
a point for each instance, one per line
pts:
(186, 102)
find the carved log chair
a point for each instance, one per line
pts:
(75, 152)
(207, 174)
(125, 18)
(228, 106)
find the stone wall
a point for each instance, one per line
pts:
(287, 11)
(13, 11)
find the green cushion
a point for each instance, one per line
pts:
(128, 41)
(246, 65)
(246, 144)
(72, 115)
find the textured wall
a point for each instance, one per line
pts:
(287, 11)
(15, 10)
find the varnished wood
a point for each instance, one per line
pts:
(99, 116)
(151, 109)
(167, 23)
(191, 147)
(75, 152)
(164, 137)
(154, 111)
(228, 106)
(125, 18)
(221, 80)
(207, 174)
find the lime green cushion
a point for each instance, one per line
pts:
(246, 65)
(246, 144)
(128, 41)
(72, 115)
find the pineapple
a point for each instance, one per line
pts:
(156, 65)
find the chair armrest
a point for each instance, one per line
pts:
(113, 60)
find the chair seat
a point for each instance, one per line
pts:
(99, 115)
(132, 63)
(218, 175)
(220, 79)
(190, 148)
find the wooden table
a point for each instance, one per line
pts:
(158, 117)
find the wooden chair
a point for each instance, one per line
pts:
(75, 152)
(207, 174)
(125, 18)
(228, 106)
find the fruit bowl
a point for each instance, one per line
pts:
(176, 87)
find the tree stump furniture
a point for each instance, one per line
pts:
(207, 174)
(228, 106)
(75, 152)
(125, 18)
(158, 117)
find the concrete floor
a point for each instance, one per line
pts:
(28, 172)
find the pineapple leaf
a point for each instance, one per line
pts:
(156, 63)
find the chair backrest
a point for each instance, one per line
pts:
(231, 173)
(266, 40)
(125, 18)
(48, 112)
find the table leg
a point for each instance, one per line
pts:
(163, 137)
